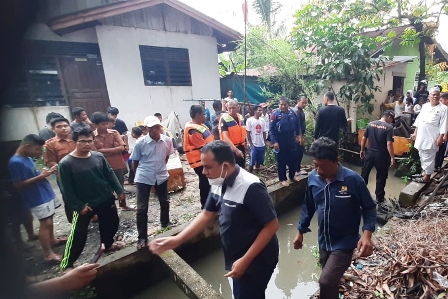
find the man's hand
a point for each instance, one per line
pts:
(121, 196)
(46, 172)
(362, 154)
(298, 241)
(239, 153)
(299, 139)
(392, 162)
(365, 245)
(85, 210)
(413, 136)
(79, 277)
(54, 169)
(445, 138)
(439, 141)
(276, 146)
(160, 245)
(238, 268)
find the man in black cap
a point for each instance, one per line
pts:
(380, 134)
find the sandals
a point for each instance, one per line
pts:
(55, 260)
(59, 242)
(115, 247)
(142, 243)
(419, 180)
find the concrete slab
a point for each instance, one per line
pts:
(409, 195)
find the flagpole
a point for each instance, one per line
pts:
(245, 50)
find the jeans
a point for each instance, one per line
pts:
(143, 192)
(286, 157)
(252, 285)
(381, 161)
(334, 264)
(108, 225)
(204, 186)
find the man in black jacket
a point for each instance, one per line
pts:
(298, 110)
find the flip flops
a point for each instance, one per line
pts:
(419, 180)
(59, 242)
(417, 175)
(55, 260)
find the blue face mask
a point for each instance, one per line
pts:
(219, 181)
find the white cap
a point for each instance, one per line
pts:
(151, 121)
(434, 89)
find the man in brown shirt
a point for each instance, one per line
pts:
(110, 144)
(57, 148)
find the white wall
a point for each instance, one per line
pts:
(16, 123)
(120, 54)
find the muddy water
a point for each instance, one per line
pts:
(295, 274)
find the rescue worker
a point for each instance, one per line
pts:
(196, 135)
(285, 133)
(233, 131)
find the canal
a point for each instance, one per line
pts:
(296, 273)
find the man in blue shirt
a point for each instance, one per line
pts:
(285, 133)
(247, 218)
(340, 197)
(149, 158)
(35, 189)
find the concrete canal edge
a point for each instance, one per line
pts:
(128, 272)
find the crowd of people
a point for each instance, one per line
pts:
(90, 157)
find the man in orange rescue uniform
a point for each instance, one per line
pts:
(196, 135)
(232, 130)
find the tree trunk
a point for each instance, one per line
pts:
(422, 52)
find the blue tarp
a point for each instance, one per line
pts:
(253, 88)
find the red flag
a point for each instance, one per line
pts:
(245, 11)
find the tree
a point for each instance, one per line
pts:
(340, 53)
(267, 10)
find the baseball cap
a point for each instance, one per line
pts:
(151, 121)
(263, 105)
(390, 113)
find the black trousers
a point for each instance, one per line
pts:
(440, 155)
(252, 285)
(204, 186)
(241, 161)
(131, 174)
(334, 264)
(108, 225)
(67, 210)
(143, 192)
(381, 162)
(300, 151)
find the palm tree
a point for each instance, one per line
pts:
(266, 10)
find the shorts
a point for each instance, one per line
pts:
(46, 210)
(257, 155)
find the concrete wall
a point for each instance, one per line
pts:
(40, 31)
(120, 54)
(18, 122)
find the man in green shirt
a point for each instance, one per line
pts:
(88, 183)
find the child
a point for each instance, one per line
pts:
(35, 189)
(137, 134)
(408, 111)
(110, 144)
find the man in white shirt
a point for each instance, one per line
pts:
(229, 97)
(256, 129)
(431, 126)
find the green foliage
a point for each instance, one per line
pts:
(309, 132)
(315, 252)
(86, 293)
(340, 52)
(411, 162)
(227, 65)
(267, 10)
(269, 159)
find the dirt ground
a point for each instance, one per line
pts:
(184, 206)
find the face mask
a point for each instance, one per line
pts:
(219, 180)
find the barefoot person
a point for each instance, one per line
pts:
(430, 128)
(339, 196)
(247, 218)
(88, 185)
(35, 189)
(285, 133)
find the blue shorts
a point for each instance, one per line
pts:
(257, 155)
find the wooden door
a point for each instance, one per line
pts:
(84, 82)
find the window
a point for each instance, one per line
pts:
(165, 66)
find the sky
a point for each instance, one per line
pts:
(230, 13)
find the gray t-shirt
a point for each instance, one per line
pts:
(46, 133)
(76, 126)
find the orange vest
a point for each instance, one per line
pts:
(237, 131)
(193, 152)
